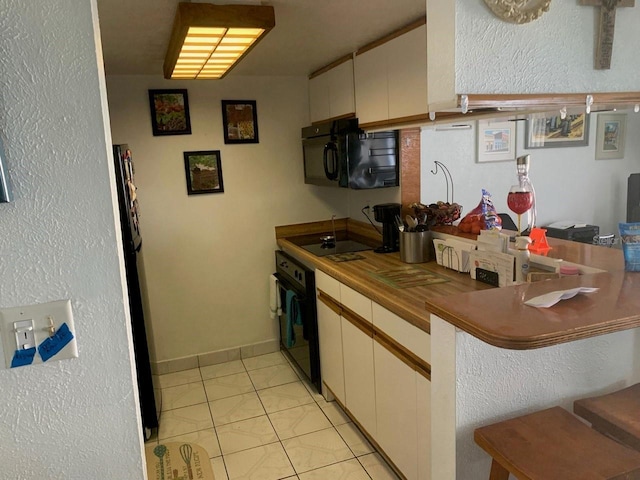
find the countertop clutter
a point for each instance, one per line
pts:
(497, 316)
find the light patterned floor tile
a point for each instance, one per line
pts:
(222, 369)
(262, 361)
(183, 396)
(250, 433)
(234, 409)
(284, 396)
(354, 439)
(377, 468)
(349, 470)
(184, 420)
(228, 386)
(272, 376)
(317, 449)
(299, 420)
(335, 413)
(207, 439)
(179, 378)
(219, 470)
(268, 462)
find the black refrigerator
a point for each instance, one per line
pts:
(132, 243)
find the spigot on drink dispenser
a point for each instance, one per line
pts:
(522, 197)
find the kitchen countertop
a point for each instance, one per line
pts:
(495, 315)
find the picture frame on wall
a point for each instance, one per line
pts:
(240, 121)
(203, 171)
(610, 136)
(169, 112)
(551, 130)
(496, 141)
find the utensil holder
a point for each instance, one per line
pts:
(416, 247)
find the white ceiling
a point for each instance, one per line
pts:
(308, 34)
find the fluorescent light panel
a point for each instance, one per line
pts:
(208, 40)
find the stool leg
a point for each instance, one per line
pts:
(498, 472)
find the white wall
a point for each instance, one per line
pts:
(554, 53)
(207, 258)
(74, 418)
(570, 184)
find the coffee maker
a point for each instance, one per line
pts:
(386, 213)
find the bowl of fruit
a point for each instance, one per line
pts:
(439, 213)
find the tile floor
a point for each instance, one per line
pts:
(258, 420)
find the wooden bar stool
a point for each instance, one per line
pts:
(552, 444)
(616, 414)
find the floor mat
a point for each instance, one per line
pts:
(407, 277)
(178, 461)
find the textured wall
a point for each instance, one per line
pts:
(74, 418)
(552, 54)
(570, 184)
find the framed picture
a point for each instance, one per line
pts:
(546, 131)
(610, 135)
(496, 141)
(240, 121)
(169, 112)
(204, 172)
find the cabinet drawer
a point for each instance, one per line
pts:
(356, 302)
(328, 285)
(416, 340)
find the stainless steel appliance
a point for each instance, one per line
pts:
(339, 154)
(150, 397)
(298, 339)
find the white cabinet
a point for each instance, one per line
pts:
(391, 78)
(330, 339)
(331, 93)
(359, 382)
(395, 384)
(423, 424)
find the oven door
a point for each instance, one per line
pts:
(302, 345)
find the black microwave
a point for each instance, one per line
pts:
(340, 154)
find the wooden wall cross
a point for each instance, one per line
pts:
(604, 48)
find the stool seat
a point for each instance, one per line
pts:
(553, 444)
(616, 414)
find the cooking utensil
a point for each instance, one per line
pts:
(159, 452)
(421, 227)
(399, 223)
(411, 222)
(185, 453)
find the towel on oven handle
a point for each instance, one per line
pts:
(275, 302)
(294, 317)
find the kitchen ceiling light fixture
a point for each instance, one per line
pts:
(208, 40)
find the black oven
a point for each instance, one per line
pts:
(298, 321)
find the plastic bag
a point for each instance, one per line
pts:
(630, 235)
(483, 217)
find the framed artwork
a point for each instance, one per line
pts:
(5, 189)
(169, 112)
(496, 141)
(240, 121)
(204, 172)
(547, 131)
(610, 135)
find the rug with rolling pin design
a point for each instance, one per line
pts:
(178, 461)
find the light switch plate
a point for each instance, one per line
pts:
(52, 330)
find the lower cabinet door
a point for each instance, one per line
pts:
(396, 398)
(330, 339)
(424, 426)
(358, 375)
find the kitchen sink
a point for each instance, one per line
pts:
(340, 246)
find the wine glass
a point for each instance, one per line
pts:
(519, 200)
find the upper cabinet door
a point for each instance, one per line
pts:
(372, 95)
(319, 98)
(331, 93)
(407, 74)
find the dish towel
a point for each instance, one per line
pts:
(294, 317)
(275, 303)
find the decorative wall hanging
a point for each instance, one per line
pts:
(606, 28)
(204, 172)
(169, 112)
(518, 11)
(544, 131)
(610, 136)
(496, 141)
(240, 121)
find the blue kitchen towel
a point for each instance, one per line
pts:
(294, 317)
